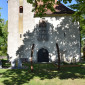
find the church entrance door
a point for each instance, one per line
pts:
(43, 55)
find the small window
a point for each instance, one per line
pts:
(21, 9)
(20, 35)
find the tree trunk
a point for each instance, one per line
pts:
(31, 57)
(58, 56)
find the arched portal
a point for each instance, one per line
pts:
(43, 55)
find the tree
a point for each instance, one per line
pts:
(41, 8)
(79, 14)
(3, 36)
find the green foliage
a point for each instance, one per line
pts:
(3, 37)
(79, 15)
(47, 4)
(41, 9)
(5, 63)
(43, 74)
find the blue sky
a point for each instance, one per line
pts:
(73, 2)
(4, 11)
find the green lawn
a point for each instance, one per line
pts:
(44, 74)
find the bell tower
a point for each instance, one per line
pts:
(20, 20)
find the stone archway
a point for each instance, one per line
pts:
(43, 55)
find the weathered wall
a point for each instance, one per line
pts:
(61, 30)
(14, 40)
(13, 9)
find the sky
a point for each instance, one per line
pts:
(4, 10)
(73, 2)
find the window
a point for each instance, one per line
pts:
(42, 32)
(21, 9)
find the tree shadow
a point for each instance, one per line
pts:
(65, 33)
(41, 71)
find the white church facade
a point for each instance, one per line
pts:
(24, 30)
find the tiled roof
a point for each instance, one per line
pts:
(59, 9)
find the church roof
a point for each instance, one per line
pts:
(60, 9)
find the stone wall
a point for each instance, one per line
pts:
(61, 30)
(13, 35)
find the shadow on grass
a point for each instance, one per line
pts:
(42, 71)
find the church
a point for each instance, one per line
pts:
(25, 30)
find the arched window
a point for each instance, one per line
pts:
(43, 32)
(21, 9)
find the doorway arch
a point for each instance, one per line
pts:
(43, 55)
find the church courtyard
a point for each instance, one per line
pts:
(43, 74)
(42, 43)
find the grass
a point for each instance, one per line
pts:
(43, 74)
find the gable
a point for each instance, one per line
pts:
(60, 10)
